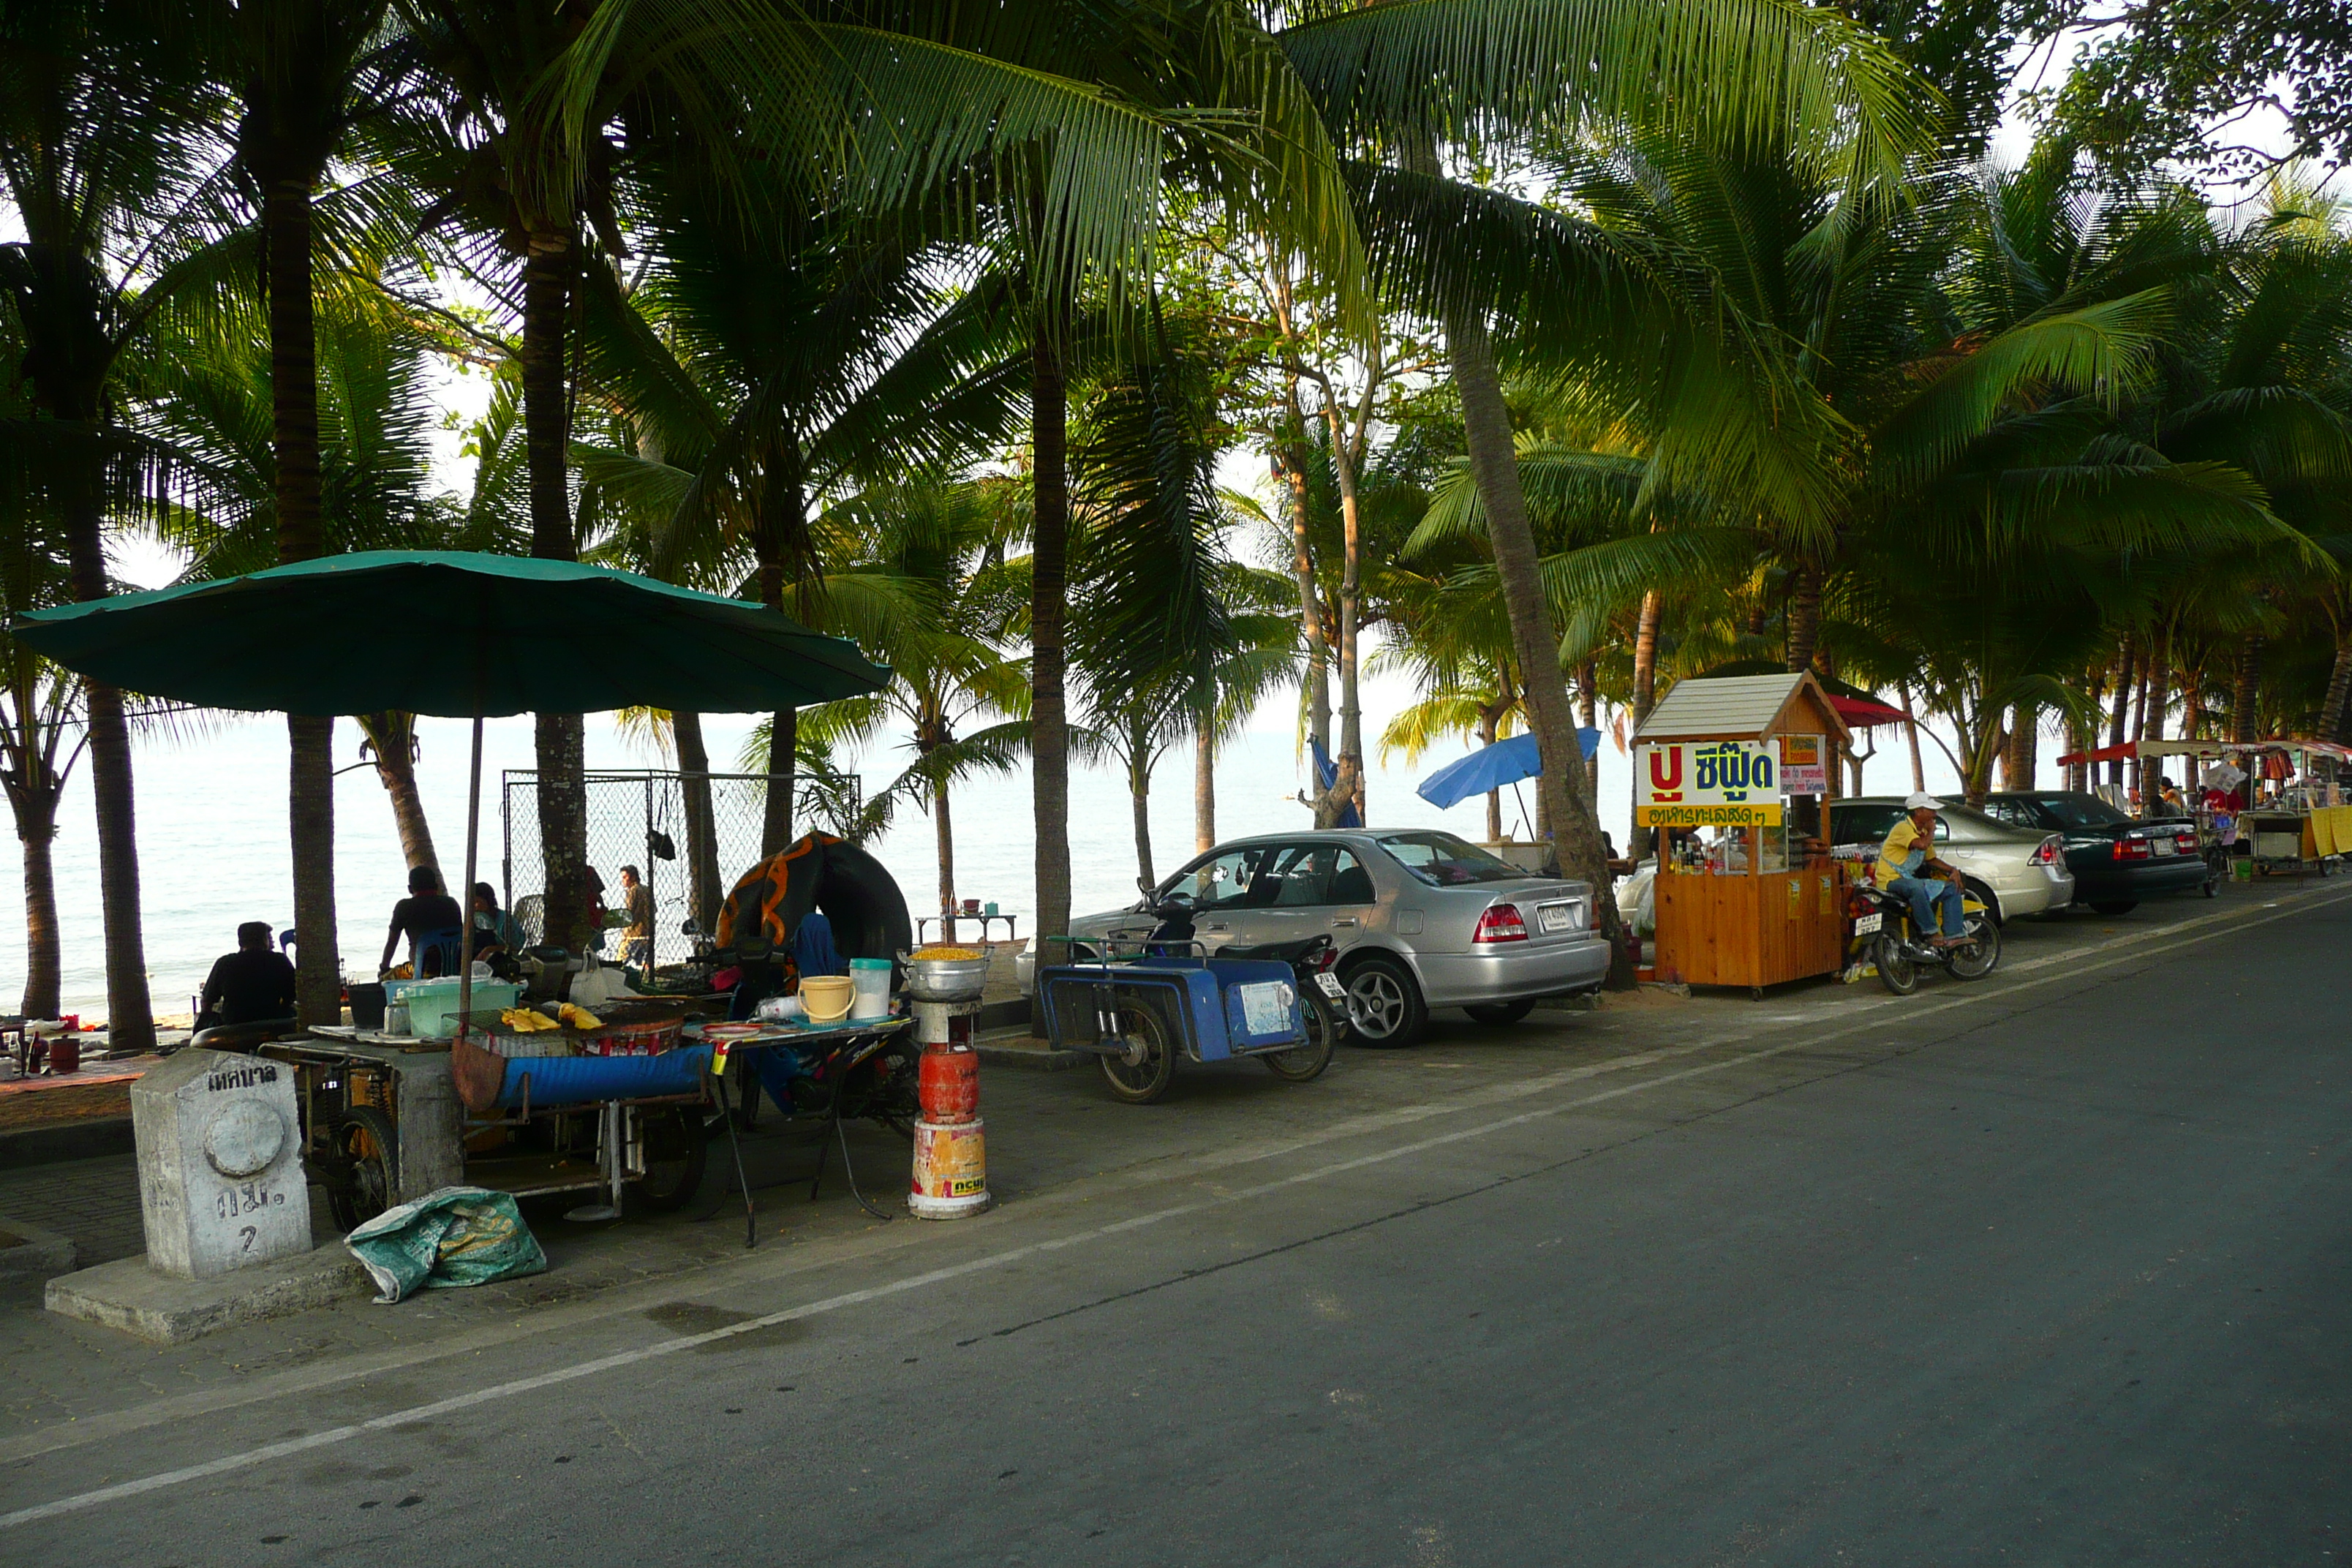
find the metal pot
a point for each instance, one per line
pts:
(946, 979)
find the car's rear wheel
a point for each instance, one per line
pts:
(1975, 889)
(1384, 1005)
(1497, 1013)
(2114, 906)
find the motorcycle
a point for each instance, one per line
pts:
(1154, 998)
(1883, 930)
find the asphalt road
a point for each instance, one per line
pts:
(2057, 1270)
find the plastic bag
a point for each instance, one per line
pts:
(450, 1238)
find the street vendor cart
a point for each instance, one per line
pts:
(2294, 817)
(1732, 773)
(470, 635)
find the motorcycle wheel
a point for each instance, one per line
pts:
(1898, 969)
(1303, 1064)
(1974, 959)
(1140, 1082)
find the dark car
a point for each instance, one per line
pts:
(2118, 858)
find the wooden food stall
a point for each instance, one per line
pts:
(1734, 773)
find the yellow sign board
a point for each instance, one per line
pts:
(1706, 783)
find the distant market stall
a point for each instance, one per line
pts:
(1732, 773)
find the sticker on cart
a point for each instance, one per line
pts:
(1266, 1007)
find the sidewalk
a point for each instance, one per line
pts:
(1056, 1141)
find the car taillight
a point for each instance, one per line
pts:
(1501, 922)
(2185, 842)
(2047, 855)
(2132, 850)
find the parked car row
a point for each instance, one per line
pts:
(2031, 852)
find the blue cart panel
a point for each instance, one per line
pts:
(1222, 1008)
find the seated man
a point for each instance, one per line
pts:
(1905, 868)
(251, 986)
(431, 922)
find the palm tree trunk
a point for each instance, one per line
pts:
(1587, 716)
(1646, 688)
(1493, 464)
(2333, 721)
(1049, 720)
(561, 739)
(2140, 727)
(37, 829)
(2017, 756)
(2125, 676)
(1488, 726)
(1138, 794)
(1911, 734)
(1318, 676)
(2245, 715)
(784, 777)
(705, 892)
(392, 737)
(1348, 783)
(943, 827)
(130, 1013)
(301, 536)
(1204, 790)
(2159, 698)
(1804, 616)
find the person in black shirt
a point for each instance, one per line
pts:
(251, 986)
(428, 911)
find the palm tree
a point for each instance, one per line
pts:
(1399, 78)
(114, 177)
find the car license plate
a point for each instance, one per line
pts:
(1330, 986)
(1867, 924)
(2163, 846)
(1553, 917)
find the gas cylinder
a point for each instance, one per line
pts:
(948, 1084)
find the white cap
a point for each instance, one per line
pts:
(1923, 803)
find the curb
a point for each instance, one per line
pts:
(89, 1139)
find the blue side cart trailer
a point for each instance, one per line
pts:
(1137, 1015)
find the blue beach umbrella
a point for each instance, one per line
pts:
(1492, 767)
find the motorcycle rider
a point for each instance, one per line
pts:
(1908, 869)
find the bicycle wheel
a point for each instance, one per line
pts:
(363, 1154)
(1302, 1064)
(1144, 1077)
(1898, 971)
(1974, 959)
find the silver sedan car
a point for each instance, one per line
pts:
(1421, 920)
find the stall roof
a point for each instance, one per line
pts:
(1738, 708)
(2224, 748)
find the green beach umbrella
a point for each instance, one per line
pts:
(453, 633)
(448, 633)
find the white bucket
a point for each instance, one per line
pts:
(951, 1178)
(871, 977)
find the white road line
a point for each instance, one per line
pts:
(992, 1261)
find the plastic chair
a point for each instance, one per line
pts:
(437, 951)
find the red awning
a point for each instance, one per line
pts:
(2123, 752)
(1861, 712)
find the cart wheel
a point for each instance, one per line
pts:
(1898, 971)
(1141, 1081)
(1303, 1064)
(676, 1149)
(363, 1153)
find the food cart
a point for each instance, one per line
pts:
(464, 635)
(2295, 818)
(1732, 773)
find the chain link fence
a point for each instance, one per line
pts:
(653, 820)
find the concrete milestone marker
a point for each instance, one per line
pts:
(220, 1164)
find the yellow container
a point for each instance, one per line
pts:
(828, 997)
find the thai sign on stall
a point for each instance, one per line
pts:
(1706, 783)
(1803, 769)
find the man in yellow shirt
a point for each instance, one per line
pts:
(1908, 869)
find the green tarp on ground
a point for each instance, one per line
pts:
(450, 1238)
